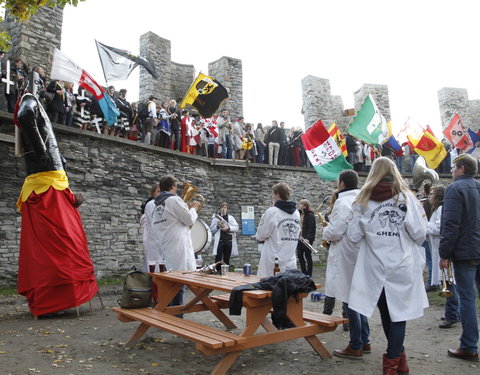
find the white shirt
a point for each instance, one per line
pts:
(280, 231)
(233, 229)
(390, 257)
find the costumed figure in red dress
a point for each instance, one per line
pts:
(55, 270)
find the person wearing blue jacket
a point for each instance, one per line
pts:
(460, 245)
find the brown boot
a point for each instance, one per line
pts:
(349, 353)
(403, 366)
(390, 366)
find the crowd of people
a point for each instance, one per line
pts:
(376, 259)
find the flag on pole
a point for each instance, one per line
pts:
(206, 94)
(66, 70)
(457, 135)
(369, 125)
(430, 148)
(324, 154)
(338, 137)
(118, 63)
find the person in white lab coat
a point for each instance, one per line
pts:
(390, 224)
(342, 256)
(279, 229)
(452, 304)
(171, 219)
(150, 255)
(225, 232)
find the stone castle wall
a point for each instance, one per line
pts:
(455, 100)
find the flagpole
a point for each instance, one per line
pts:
(101, 62)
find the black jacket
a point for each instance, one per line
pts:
(460, 225)
(57, 104)
(309, 226)
(283, 286)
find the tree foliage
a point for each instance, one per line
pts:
(23, 9)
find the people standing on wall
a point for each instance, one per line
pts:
(151, 120)
(185, 123)
(164, 139)
(175, 118)
(82, 113)
(308, 228)
(237, 133)
(296, 147)
(273, 139)
(18, 75)
(56, 106)
(283, 150)
(132, 133)
(69, 103)
(260, 143)
(351, 148)
(248, 144)
(225, 232)
(125, 119)
(279, 229)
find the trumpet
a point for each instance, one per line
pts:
(222, 223)
(447, 279)
(307, 244)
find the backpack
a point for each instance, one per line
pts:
(142, 110)
(137, 291)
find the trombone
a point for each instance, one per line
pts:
(307, 244)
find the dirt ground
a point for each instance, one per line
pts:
(94, 344)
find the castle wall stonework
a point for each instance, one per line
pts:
(455, 100)
(379, 93)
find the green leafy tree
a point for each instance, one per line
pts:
(23, 9)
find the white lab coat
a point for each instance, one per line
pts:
(390, 257)
(169, 234)
(280, 231)
(343, 253)
(433, 234)
(216, 231)
(151, 241)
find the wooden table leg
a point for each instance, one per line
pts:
(213, 307)
(137, 335)
(225, 363)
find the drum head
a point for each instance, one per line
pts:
(201, 236)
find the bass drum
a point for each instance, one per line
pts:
(201, 236)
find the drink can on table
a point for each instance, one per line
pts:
(247, 269)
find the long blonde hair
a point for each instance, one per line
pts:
(383, 169)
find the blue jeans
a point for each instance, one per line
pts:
(359, 329)
(428, 256)
(466, 276)
(260, 152)
(452, 305)
(394, 331)
(227, 149)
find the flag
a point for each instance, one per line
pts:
(117, 63)
(394, 143)
(411, 128)
(369, 125)
(206, 94)
(338, 137)
(457, 135)
(66, 70)
(430, 148)
(324, 154)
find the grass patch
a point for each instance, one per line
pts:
(7, 291)
(111, 281)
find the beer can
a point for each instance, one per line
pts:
(247, 269)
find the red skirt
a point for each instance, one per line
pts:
(55, 271)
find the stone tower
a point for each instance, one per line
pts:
(173, 79)
(379, 93)
(228, 71)
(455, 100)
(317, 101)
(35, 39)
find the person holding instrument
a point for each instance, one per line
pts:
(224, 227)
(460, 244)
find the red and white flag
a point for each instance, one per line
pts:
(457, 134)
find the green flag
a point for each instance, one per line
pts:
(369, 125)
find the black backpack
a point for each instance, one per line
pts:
(142, 110)
(137, 291)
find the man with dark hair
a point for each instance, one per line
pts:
(460, 245)
(169, 219)
(279, 229)
(342, 257)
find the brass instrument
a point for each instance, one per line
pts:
(420, 173)
(190, 192)
(307, 244)
(323, 222)
(221, 221)
(447, 279)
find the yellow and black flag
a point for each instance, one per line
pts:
(206, 94)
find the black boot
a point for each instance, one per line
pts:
(328, 305)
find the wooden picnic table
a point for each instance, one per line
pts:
(212, 341)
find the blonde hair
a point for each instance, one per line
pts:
(383, 169)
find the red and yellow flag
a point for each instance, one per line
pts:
(338, 137)
(430, 148)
